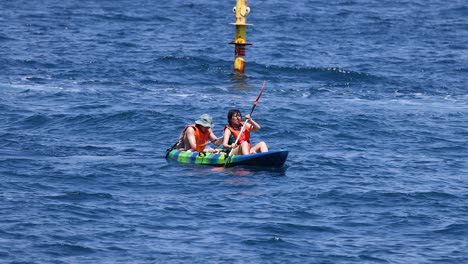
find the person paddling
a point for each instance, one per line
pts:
(195, 137)
(231, 132)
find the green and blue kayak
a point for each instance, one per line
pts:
(273, 158)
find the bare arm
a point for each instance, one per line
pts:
(190, 135)
(214, 139)
(227, 135)
(255, 126)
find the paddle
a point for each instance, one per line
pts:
(246, 122)
(212, 141)
(169, 150)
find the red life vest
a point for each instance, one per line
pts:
(235, 133)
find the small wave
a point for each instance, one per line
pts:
(454, 229)
(454, 11)
(172, 58)
(5, 38)
(274, 240)
(34, 63)
(35, 121)
(430, 195)
(66, 249)
(385, 197)
(87, 107)
(36, 79)
(372, 259)
(96, 148)
(328, 74)
(100, 120)
(125, 44)
(81, 196)
(289, 227)
(119, 17)
(103, 82)
(37, 89)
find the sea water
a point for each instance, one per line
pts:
(369, 97)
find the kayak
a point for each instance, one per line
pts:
(273, 158)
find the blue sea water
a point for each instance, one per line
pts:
(370, 98)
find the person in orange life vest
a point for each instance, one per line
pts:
(196, 137)
(231, 132)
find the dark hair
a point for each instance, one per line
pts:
(231, 113)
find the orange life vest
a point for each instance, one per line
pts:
(200, 138)
(235, 133)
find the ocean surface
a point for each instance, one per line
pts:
(369, 97)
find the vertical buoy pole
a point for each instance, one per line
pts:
(240, 41)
